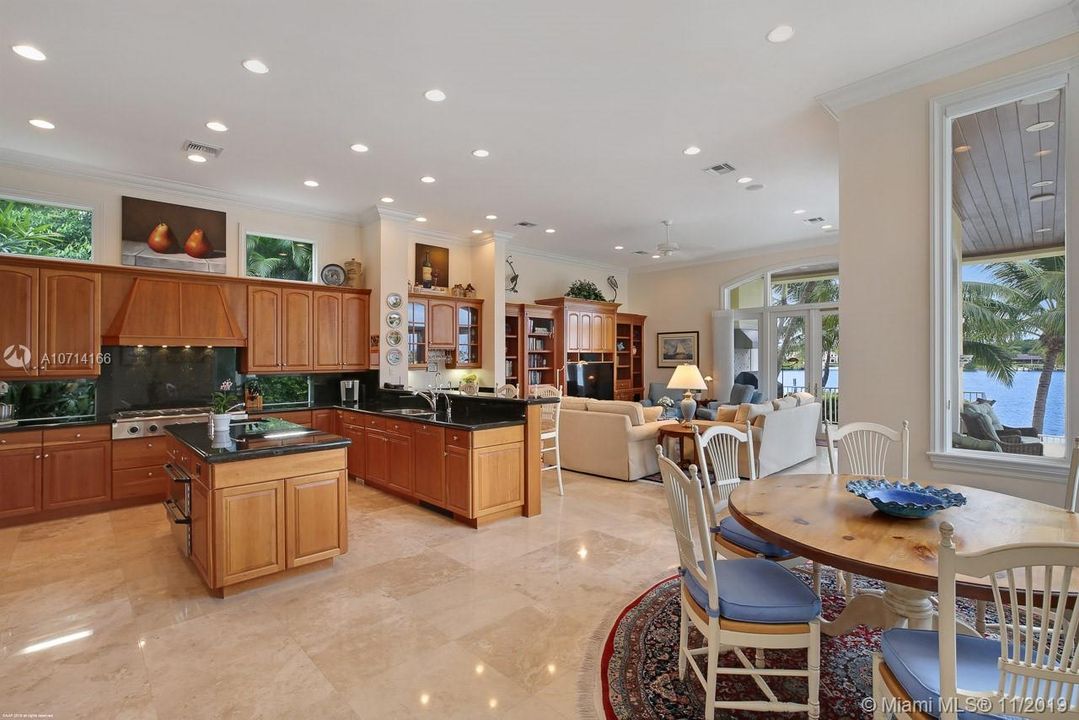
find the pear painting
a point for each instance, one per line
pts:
(161, 239)
(168, 236)
(197, 246)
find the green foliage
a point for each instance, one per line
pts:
(270, 257)
(284, 388)
(584, 290)
(66, 398)
(45, 230)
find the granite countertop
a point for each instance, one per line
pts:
(460, 418)
(251, 440)
(46, 423)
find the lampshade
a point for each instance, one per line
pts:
(687, 377)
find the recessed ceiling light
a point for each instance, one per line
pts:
(550, 231)
(1043, 153)
(780, 34)
(1042, 197)
(435, 95)
(826, 227)
(477, 231)
(427, 179)
(799, 211)
(480, 153)
(491, 217)
(196, 158)
(692, 150)
(386, 199)
(1041, 230)
(311, 183)
(655, 257)
(619, 247)
(421, 218)
(358, 147)
(29, 52)
(256, 66)
(962, 148)
(744, 180)
(42, 124)
(1039, 126)
(1042, 183)
(217, 126)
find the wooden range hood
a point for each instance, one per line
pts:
(172, 311)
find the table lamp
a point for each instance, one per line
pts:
(687, 377)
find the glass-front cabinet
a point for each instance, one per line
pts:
(468, 334)
(417, 333)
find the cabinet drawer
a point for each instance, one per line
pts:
(459, 438)
(374, 422)
(20, 439)
(623, 384)
(78, 434)
(139, 452)
(139, 482)
(399, 427)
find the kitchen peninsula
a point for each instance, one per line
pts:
(267, 498)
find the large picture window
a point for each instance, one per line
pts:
(280, 258)
(1001, 276)
(29, 228)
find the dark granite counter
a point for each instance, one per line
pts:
(251, 440)
(46, 423)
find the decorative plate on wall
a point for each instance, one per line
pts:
(393, 301)
(333, 275)
(393, 319)
(393, 338)
(393, 357)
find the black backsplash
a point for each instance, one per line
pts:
(155, 377)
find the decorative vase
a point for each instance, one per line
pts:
(221, 422)
(688, 406)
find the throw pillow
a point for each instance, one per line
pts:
(986, 407)
(651, 414)
(980, 426)
(966, 442)
(785, 403)
(804, 398)
(726, 413)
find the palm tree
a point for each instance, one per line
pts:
(792, 337)
(271, 257)
(1025, 302)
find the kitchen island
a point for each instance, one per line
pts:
(265, 500)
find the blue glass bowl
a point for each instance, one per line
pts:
(909, 500)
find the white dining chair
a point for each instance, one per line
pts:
(1030, 671)
(866, 447)
(549, 413)
(749, 602)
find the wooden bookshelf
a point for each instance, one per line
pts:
(629, 357)
(514, 318)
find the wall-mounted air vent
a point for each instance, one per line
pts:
(814, 220)
(526, 224)
(190, 146)
(721, 169)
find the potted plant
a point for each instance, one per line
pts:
(222, 403)
(585, 290)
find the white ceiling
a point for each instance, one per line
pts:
(584, 106)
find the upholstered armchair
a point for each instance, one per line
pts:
(739, 394)
(1018, 441)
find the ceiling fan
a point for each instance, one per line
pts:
(665, 248)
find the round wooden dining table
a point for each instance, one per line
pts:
(816, 517)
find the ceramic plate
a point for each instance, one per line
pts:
(333, 275)
(393, 301)
(393, 319)
(393, 357)
(393, 338)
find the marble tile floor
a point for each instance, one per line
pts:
(101, 618)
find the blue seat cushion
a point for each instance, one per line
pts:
(734, 532)
(913, 657)
(756, 590)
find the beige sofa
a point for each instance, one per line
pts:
(784, 431)
(611, 438)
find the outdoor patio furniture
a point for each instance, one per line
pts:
(1011, 440)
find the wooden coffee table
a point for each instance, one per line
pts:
(681, 433)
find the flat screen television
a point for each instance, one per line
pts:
(592, 380)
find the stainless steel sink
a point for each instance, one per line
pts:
(411, 411)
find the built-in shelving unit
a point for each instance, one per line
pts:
(629, 357)
(514, 318)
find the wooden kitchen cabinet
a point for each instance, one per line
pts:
(76, 474)
(351, 428)
(137, 468)
(315, 521)
(201, 536)
(322, 420)
(469, 333)
(445, 324)
(19, 321)
(327, 354)
(458, 480)
(428, 459)
(376, 456)
(442, 324)
(20, 481)
(399, 462)
(263, 353)
(500, 472)
(355, 338)
(249, 531)
(297, 330)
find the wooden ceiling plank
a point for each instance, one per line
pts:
(997, 184)
(1009, 121)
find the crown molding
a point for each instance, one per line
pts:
(829, 241)
(515, 249)
(1023, 35)
(68, 168)
(377, 213)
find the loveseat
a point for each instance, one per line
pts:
(784, 431)
(610, 438)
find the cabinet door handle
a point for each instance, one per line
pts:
(149, 473)
(37, 457)
(46, 454)
(3, 442)
(78, 435)
(149, 445)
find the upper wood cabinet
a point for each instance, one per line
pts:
(442, 316)
(54, 314)
(454, 324)
(469, 334)
(589, 325)
(295, 330)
